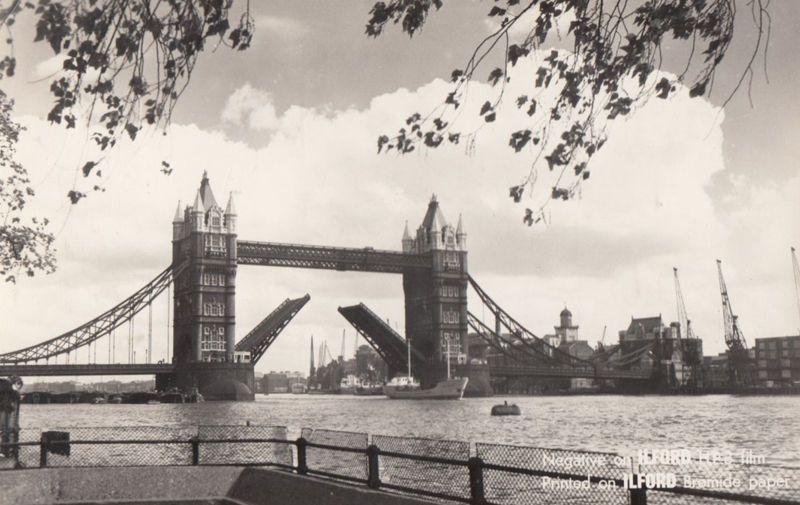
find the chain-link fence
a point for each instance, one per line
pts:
(518, 474)
(434, 478)
(327, 453)
(153, 446)
(680, 476)
(244, 445)
(451, 471)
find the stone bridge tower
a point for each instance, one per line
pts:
(436, 300)
(204, 238)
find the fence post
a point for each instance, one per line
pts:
(195, 450)
(302, 462)
(373, 468)
(476, 492)
(638, 496)
(43, 450)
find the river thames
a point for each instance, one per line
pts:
(765, 425)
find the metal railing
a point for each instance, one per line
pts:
(445, 470)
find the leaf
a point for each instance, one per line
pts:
(519, 139)
(528, 219)
(497, 11)
(87, 168)
(532, 108)
(383, 139)
(451, 99)
(521, 100)
(663, 87)
(456, 75)
(490, 117)
(516, 192)
(698, 89)
(75, 196)
(487, 106)
(131, 129)
(454, 138)
(495, 76)
(433, 139)
(516, 52)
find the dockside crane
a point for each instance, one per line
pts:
(796, 278)
(738, 359)
(689, 344)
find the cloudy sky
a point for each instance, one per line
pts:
(290, 126)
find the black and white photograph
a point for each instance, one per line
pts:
(399, 252)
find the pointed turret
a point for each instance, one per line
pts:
(461, 235)
(206, 195)
(230, 209)
(408, 242)
(197, 207)
(197, 212)
(230, 215)
(177, 223)
(178, 214)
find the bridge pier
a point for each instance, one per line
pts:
(217, 381)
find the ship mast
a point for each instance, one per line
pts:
(796, 278)
(408, 352)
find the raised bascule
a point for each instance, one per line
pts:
(206, 255)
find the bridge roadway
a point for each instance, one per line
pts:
(364, 259)
(156, 368)
(59, 369)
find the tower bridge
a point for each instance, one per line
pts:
(206, 255)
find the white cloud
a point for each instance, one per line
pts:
(318, 180)
(250, 107)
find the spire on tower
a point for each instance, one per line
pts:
(230, 209)
(178, 214)
(460, 227)
(408, 242)
(206, 195)
(198, 203)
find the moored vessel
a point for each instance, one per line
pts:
(450, 389)
(405, 388)
(369, 390)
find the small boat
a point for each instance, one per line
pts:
(450, 389)
(506, 410)
(369, 390)
(405, 388)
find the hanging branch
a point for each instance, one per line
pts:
(613, 68)
(125, 63)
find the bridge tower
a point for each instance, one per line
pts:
(204, 238)
(436, 300)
